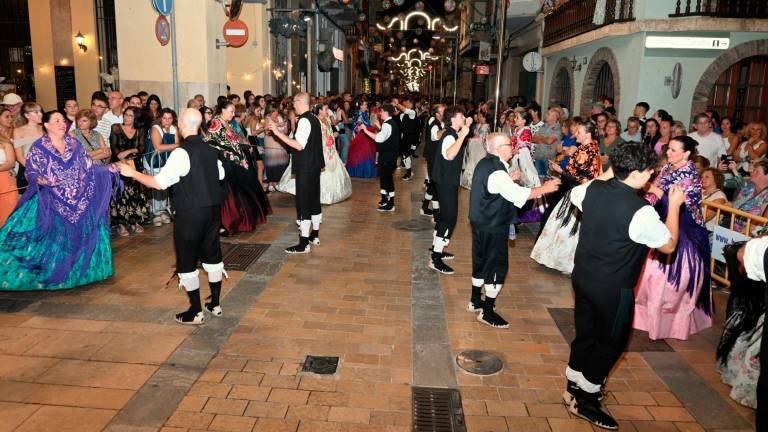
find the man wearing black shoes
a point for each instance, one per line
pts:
(449, 157)
(306, 163)
(193, 172)
(387, 145)
(492, 208)
(617, 228)
(410, 135)
(434, 133)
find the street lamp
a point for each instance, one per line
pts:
(80, 39)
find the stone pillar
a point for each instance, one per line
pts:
(146, 65)
(250, 66)
(53, 26)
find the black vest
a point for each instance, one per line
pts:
(489, 212)
(388, 149)
(410, 127)
(430, 145)
(447, 172)
(200, 187)
(605, 255)
(310, 159)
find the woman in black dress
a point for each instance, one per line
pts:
(130, 210)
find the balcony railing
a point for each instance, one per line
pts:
(721, 8)
(580, 16)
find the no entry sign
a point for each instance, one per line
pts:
(162, 30)
(235, 33)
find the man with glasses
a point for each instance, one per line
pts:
(98, 106)
(112, 116)
(711, 144)
(493, 204)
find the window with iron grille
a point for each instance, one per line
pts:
(741, 91)
(106, 34)
(562, 89)
(603, 82)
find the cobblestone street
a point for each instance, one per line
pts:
(109, 356)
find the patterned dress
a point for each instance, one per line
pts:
(132, 205)
(245, 204)
(556, 246)
(673, 298)
(59, 237)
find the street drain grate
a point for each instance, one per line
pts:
(320, 365)
(239, 256)
(437, 410)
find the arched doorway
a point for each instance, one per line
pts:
(562, 89)
(721, 65)
(601, 79)
(603, 83)
(741, 91)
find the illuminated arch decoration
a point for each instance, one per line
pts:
(414, 53)
(433, 24)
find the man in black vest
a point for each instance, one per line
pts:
(434, 133)
(387, 146)
(193, 172)
(410, 135)
(306, 163)
(449, 157)
(617, 228)
(492, 208)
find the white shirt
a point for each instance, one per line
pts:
(448, 141)
(753, 258)
(384, 133)
(499, 182)
(303, 128)
(434, 130)
(636, 137)
(710, 146)
(645, 227)
(104, 127)
(177, 167)
(535, 127)
(410, 113)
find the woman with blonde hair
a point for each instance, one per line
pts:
(753, 148)
(29, 128)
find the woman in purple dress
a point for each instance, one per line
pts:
(58, 236)
(673, 298)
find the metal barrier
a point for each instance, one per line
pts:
(751, 222)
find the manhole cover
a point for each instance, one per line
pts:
(413, 225)
(320, 365)
(479, 362)
(437, 410)
(240, 256)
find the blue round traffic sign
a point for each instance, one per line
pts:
(164, 7)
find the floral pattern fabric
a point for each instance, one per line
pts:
(585, 164)
(227, 142)
(688, 178)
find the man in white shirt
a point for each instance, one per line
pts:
(617, 228)
(492, 208)
(387, 146)
(409, 135)
(633, 130)
(711, 144)
(193, 172)
(113, 116)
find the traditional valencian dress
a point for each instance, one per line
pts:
(673, 297)
(59, 236)
(245, 204)
(361, 161)
(556, 245)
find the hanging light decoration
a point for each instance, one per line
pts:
(450, 6)
(419, 6)
(386, 4)
(398, 2)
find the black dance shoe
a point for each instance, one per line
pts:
(314, 237)
(214, 310)
(408, 175)
(475, 305)
(301, 248)
(491, 318)
(190, 318)
(437, 264)
(590, 409)
(389, 207)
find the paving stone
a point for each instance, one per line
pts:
(66, 419)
